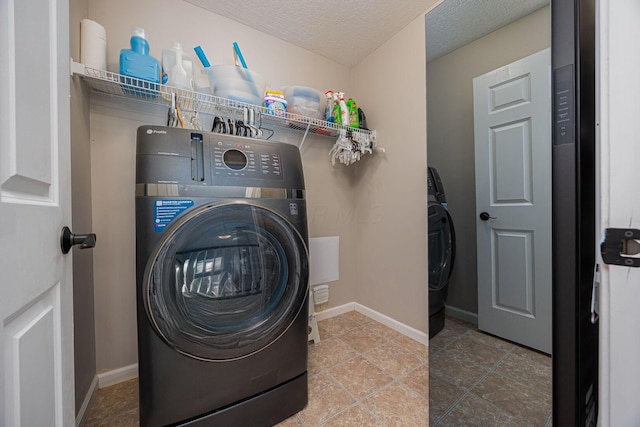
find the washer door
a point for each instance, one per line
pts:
(226, 281)
(441, 247)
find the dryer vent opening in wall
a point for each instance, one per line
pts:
(321, 294)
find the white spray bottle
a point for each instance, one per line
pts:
(344, 110)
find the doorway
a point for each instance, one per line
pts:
(450, 148)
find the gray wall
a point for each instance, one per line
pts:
(83, 308)
(450, 131)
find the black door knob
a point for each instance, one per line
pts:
(68, 239)
(485, 216)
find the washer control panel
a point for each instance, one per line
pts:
(246, 159)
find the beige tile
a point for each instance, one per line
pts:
(418, 381)
(517, 399)
(360, 377)
(384, 331)
(356, 416)
(358, 318)
(126, 419)
(444, 338)
(442, 396)
(326, 399)
(476, 351)
(474, 411)
(112, 401)
(396, 405)
(457, 325)
(337, 325)
(290, 422)
(328, 353)
(394, 359)
(417, 348)
(542, 358)
(456, 369)
(491, 340)
(527, 371)
(362, 339)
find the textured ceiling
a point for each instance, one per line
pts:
(346, 31)
(454, 23)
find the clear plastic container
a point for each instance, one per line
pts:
(177, 67)
(305, 101)
(237, 83)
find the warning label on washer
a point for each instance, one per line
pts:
(165, 211)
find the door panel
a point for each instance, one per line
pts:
(36, 321)
(513, 281)
(511, 148)
(512, 107)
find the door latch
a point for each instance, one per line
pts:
(619, 246)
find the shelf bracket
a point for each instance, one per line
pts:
(76, 68)
(304, 137)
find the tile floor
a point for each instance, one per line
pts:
(477, 379)
(362, 373)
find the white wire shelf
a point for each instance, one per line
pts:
(128, 87)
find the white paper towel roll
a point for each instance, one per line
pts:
(93, 44)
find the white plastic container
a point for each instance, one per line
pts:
(177, 67)
(237, 83)
(305, 101)
(201, 82)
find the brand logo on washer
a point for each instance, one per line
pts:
(293, 208)
(150, 131)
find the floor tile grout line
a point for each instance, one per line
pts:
(468, 391)
(549, 419)
(456, 339)
(358, 401)
(520, 383)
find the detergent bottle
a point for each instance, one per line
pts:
(136, 62)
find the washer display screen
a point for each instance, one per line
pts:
(235, 159)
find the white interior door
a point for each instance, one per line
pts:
(512, 125)
(36, 329)
(619, 111)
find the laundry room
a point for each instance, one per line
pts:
(374, 208)
(458, 364)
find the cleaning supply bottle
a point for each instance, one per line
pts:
(275, 103)
(335, 111)
(344, 111)
(177, 67)
(328, 110)
(353, 114)
(136, 62)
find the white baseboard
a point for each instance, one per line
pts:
(465, 315)
(406, 330)
(105, 379)
(87, 400)
(394, 324)
(335, 311)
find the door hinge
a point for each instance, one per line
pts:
(619, 244)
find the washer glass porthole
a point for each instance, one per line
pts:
(227, 280)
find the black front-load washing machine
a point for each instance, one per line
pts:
(442, 250)
(222, 279)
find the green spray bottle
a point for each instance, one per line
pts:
(354, 121)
